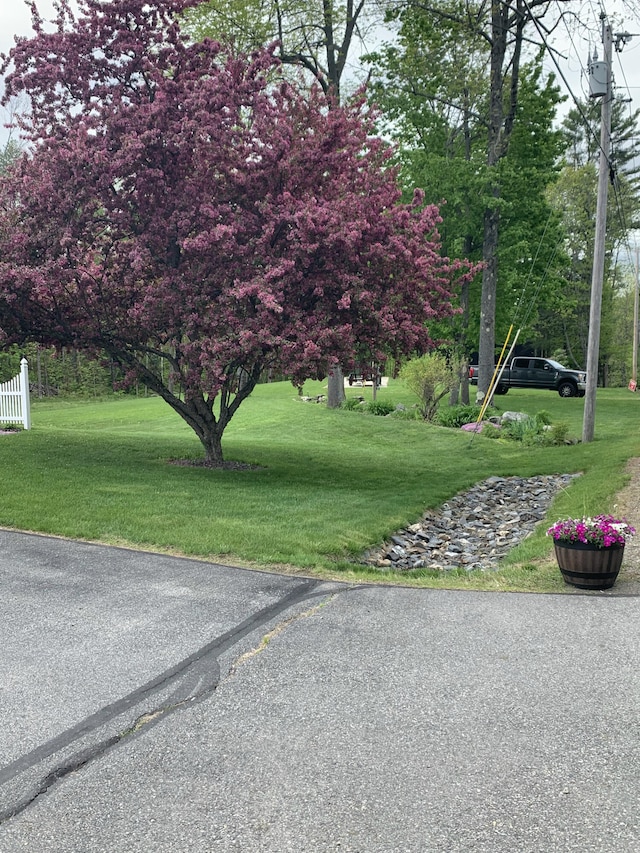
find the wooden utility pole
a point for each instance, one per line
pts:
(588, 423)
(634, 366)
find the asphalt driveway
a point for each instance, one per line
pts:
(151, 704)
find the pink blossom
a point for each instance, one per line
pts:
(173, 204)
(603, 531)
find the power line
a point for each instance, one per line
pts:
(551, 52)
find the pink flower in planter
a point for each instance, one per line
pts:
(603, 531)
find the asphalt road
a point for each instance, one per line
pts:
(151, 704)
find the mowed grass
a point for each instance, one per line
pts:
(328, 484)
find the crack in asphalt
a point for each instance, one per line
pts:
(196, 676)
(279, 628)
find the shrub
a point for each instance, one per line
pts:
(429, 377)
(456, 416)
(352, 403)
(491, 431)
(380, 407)
(521, 429)
(560, 433)
(536, 431)
(543, 418)
(407, 414)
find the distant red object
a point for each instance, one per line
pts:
(632, 385)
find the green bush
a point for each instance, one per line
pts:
(351, 404)
(491, 431)
(560, 433)
(374, 407)
(556, 435)
(380, 407)
(456, 416)
(521, 430)
(430, 378)
(543, 418)
(536, 431)
(412, 413)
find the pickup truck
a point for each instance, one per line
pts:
(528, 372)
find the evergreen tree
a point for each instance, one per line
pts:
(574, 197)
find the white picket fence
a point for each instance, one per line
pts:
(15, 405)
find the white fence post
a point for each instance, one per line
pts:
(15, 404)
(24, 389)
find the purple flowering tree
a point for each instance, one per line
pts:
(193, 215)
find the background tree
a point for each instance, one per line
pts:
(319, 38)
(618, 369)
(575, 198)
(503, 26)
(9, 155)
(433, 86)
(179, 208)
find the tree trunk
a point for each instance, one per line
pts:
(197, 410)
(464, 389)
(335, 389)
(212, 442)
(487, 343)
(500, 127)
(464, 334)
(198, 413)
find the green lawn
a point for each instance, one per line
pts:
(329, 483)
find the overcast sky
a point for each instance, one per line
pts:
(15, 19)
(575, 46)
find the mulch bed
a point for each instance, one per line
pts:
(231, 465)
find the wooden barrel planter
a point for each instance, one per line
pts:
(588, 567)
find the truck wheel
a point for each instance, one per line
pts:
(567, 389)
(502, 389)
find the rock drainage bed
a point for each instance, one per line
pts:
(474, 529)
